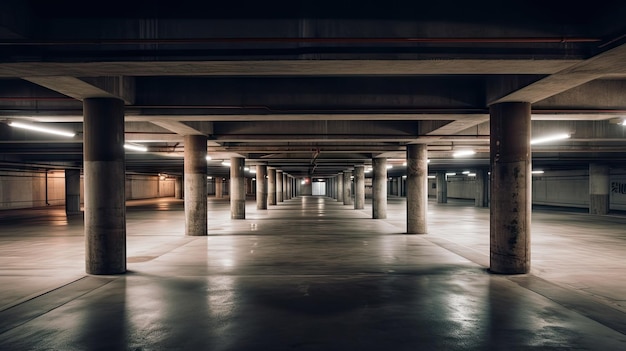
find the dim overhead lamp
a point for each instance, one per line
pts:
(41, 129)
(135, 147)
(226, 163)
(537, 172)
(208, 158)
(464, 153)
(549, 138)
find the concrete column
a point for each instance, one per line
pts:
(279, 186)
(510, 188)
(219, 187)
(482, 185)
(271, 186)
(287, 186)
(72, 191)
(599, 187)
(105, 202)
(237, 188)
(347, 188)
(261, 187)
(416, 188)
(379, 188)
(195, 185)
(340, 187)
(442, 187)
(285, 195)
(178, 188)
(359, 187)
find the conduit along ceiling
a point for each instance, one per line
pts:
(311, 87)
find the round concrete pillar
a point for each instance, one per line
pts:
(261, 187)
(178, 188)
(237, 188)
(347, 188)
(379, 188)
(279, 186)
(510, 188)
(359, 187)
(442, 188)
(195, 185)
(340, 187)
(416, 188)
(271, 186)
(105, 202)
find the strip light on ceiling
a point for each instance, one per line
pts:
(549, 138)
(463, 153)
(42, 129)
(135, 147)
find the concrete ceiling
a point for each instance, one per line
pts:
(313, 89)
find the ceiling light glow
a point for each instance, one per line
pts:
(549, 138)
(135, 147)
(463, 153)
(42, 129)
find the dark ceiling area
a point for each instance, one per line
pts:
(313, 88)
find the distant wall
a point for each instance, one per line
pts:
(26, 189)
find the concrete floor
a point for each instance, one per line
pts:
(312, 274)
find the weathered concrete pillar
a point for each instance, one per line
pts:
(359, 187)
(195, 185)
(482, 186)
(72, 191)
(271, 186)
(442, 187)
(347, 188)
(261, 187)
(416, 188)
(287, 186)
(105, 202)
(219, 187)
(510, 213)
(340, 187)
(237, 188)
(379, 188)
(178, 188)
(279, 186)
(599, 186)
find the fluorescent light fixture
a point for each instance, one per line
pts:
(389, 166)
(451, 174)
(208, 158)
(431, 177)
(623, 123)
(471, 174)
(253, 178)
(246, 168)
(536, 172)
(135, 147)
(427, 161)
(41, 129)
(463, 153)
(209, 177)
(549, 138)
(403, 177)
(226, 163)
(466, 172)
(404, 163)
(252, 171)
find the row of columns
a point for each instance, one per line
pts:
(510, 205)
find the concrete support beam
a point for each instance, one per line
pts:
(237, 188)
(599, 187)
(195, 185)
(511, 197)
(261, 187)
(271, 186)
(481, 198)
(72, 191)
(347, 188)
(359, 187)
(379, 188)
(416, 188)
(105, 202)
(279, 186)
(286, 179)
(442, 188)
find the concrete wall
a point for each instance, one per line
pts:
(460, 187)
(27, 189)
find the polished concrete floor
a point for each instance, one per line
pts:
(312, 274)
